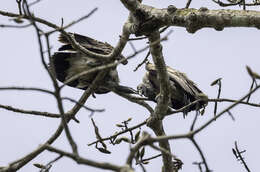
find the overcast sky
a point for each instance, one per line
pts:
(203, 56)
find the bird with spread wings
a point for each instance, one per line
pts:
(68, 62)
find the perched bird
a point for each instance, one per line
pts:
(183, 91)
(68, 62)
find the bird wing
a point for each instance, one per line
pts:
(90, 44)
(178, 78)
(86, 42)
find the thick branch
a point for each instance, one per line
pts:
(160, 110)
(148, 19)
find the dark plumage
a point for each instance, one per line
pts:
(69, 62)
(183, 90)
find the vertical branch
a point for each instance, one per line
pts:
(238, 155)
(160, 110)
(201, 154)
(218, 82)
(251, 87)
(19, 6)
(188, 4)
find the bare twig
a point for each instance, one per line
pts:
(194, 121)
(75, 22)
(163, 150)
(199, 165)
(201, 154)
(143, 62)
(251, 87)
(119, 133)
(19, 6)
(85, 161)
(138, 145)
(27, 89)
(230, 100)
(33, 3)
(32, 112)
(153, 157)
(98, 136)
(217, 82)
(83, 106)
(170, 111)
(14, 26)
(46, 168)
(238, 155)
(188, 4)
(231, 115)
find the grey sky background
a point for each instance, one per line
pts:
(203, 56)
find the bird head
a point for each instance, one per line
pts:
(141, 89)
(146, 90)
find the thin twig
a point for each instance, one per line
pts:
(238, 155)
(33, 3)
(251, 87)
(85, 161)
(188, 4)
(15, 26)
(119, 133)
(201, 154)
(49, 164)
(75, 22)
(83, 106)
(143, 62)
(153, 157)
(163, 150)
(219, 91)
(27, 89)
(32, 112)
(194, 120)
(231, 100)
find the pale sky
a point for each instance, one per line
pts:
(203, 56)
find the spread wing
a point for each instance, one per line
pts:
(185, 83)
(67, 62)
(88, 43)
(178, 78)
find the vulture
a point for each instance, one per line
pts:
(68, 62)
(183, 90)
